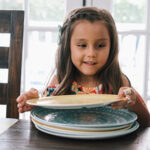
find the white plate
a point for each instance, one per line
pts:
(74, 101)
(103, 135)
(99, 118)
(78, 130)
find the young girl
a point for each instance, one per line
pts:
(87, 62)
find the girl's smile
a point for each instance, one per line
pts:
(90, 46)
(89, 63)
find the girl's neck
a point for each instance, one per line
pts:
(88, 82)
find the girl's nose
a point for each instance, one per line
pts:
(91, 52)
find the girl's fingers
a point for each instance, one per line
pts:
(129, 96)
(127, 91)
(26, 108)
(33, 93)
(123, 91)
(118, 105)
(20, 110)
(21, 100)
(131, 101)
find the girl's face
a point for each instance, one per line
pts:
(90, 46)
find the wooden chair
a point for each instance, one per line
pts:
(11, 57)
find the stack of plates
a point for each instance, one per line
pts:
(86, 122)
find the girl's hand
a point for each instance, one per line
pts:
(129, 98)
(21, 100)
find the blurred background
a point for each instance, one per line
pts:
(42, 18)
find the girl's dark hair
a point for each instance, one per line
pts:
(110, 74)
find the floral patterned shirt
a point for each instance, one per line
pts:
(77, 89)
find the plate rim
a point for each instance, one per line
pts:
(134, 118)
(134, 127)
(72, 106)
(83, 129)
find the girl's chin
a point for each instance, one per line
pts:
(88, 73)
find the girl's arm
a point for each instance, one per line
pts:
(139, 107)
(51, 88)
(141, 110)
(133, 102)
(21, 100)
(33, 93)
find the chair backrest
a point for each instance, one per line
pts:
(11, 21)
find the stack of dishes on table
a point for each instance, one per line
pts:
(82, 116)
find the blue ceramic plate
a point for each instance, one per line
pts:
(78, 128)
(77, 131)
(100, 117)
(101, 135)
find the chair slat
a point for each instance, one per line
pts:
(11, 22)
(4, 57)
(15, 53)
(5, 17)
(14, 77)
(3, 93)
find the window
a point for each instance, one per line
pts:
(40, 38)
(12, 5)
(133, 25)
(41, 34)
(134, 41)
(41, 26)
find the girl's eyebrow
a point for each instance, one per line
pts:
(101, 39)
(80, 39)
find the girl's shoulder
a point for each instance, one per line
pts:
(52, 87)
(50, 90)
(54, 80)
(126, 81)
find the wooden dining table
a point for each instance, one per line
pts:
(23, 135)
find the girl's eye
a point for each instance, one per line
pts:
(81, 45)
(100, 45)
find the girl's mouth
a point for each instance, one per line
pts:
(90, 63)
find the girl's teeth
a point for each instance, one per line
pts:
(90, 63)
